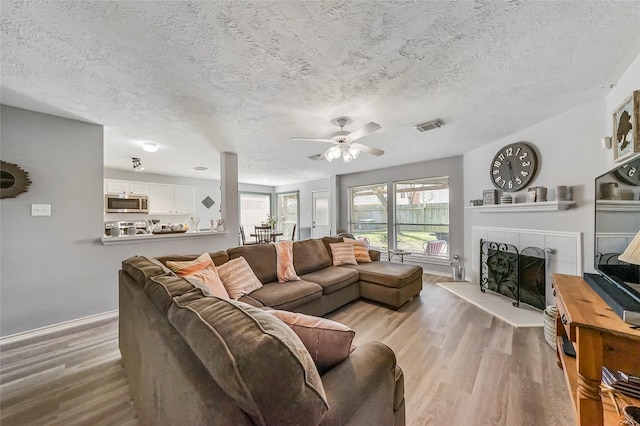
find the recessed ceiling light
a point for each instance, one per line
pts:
(149, 146)
(200, 168)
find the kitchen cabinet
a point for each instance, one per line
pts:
(113, 186)
(170, 199)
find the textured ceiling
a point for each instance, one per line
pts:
(200, 78)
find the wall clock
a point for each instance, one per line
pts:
(629, 173)
(13, 180)
(514, 167)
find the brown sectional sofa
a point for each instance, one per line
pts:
(197, 359)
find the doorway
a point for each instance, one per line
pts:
(320, 216)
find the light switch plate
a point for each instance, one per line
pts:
(40, 209)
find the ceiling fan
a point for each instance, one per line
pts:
(344, 145)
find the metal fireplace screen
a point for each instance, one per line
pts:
(519, 275)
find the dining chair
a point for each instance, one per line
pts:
(244, 242)
(263, 234)
(293, 233)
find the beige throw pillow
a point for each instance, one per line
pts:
(343, 254)
(327, 341)
(284, 262)
(203, 269)
(360, 250)
(238, 278)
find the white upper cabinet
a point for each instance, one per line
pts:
(171, 199)
(113, 186)
(184, 197)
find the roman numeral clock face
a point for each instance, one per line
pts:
(514, 167)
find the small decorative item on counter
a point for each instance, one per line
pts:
(220, 225)
(115, 231)
(476, 202)
(272, 220)
(531, 195)
(195, 221)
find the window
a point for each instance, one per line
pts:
(422, 216)
(368, 214)
(254, 208)
(287, 213)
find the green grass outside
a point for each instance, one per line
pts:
(407, 240)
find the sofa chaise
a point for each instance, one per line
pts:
(192, 358)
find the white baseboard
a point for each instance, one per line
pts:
(54, 328)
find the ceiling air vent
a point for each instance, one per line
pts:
(429, 126)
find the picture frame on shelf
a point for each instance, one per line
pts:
(489, 197)
(626, 128)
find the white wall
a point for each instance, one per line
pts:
(55, 269)
(570, 154)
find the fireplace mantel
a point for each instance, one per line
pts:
(546, 206)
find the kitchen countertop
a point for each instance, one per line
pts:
(145, 238)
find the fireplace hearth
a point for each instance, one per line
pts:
(517, 274)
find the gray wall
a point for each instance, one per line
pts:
(451, 167)
(55, 269)
(304, 201)
(570, 150)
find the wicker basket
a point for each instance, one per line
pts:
(550, 325)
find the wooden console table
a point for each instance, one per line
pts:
(600, 338)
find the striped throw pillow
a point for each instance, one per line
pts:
(238, 278)
(343, 254)
(360, 250)
(284, 262)
(203, 269)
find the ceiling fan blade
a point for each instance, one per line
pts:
(367, 148)
(364, 130)
(317, 157)
(312, 140)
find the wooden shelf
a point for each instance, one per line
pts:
(618, 205)
(546, 206)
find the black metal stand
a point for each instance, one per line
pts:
(505, 270)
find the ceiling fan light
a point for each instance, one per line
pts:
(355, 152)
(333, 153)
(347, 158)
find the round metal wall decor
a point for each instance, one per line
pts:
(13, 180)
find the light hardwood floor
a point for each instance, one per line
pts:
(462, 367)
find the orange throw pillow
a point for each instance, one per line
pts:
(343, 254)
(284, 262)
(360, 250)
(203, 269)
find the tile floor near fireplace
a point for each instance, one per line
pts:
(497, 305)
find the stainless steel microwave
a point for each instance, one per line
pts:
(124, 203)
